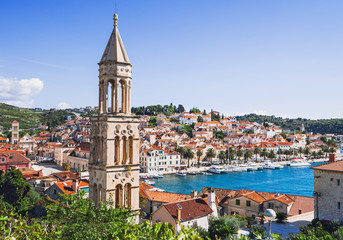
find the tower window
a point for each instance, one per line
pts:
(338, 182)
(338, 205)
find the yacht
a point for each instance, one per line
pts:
(192, 173)
(278, 166)
(268, 165)
(252, 167)
(181, 174)
(299, 163)
(215, 169)
(149, 182)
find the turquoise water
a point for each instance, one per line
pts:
(291, 180)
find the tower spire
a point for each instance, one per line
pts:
(115, 19)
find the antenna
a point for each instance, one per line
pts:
(115, 6)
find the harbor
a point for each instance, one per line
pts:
(291, 180)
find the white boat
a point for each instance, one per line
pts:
(215, 169)
(181, 174)
(252, 167)
(149, 182)
(243, 167)
(299, 163)
(278, 166)
(226, 170)
(268, 165)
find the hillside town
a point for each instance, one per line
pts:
(55, 162)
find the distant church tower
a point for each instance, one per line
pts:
(114, 156)
(15, 132)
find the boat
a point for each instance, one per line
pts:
(215, 169)
(268, 165)
(147, 181)
(208, 174)
(181, 174)
(252, 167)
(299, 163)
(226, 170)
(200, 173)
(278, 166)
(192, 173)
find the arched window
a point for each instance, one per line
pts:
(124, 150)
(119, 196)
(127, 197)
(117, 150)
(131, 149)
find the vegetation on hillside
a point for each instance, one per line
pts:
(28, 118)
(54, 118)
(316, 126)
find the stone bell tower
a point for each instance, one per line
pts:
(114, 153)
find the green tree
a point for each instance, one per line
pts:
(239, 154)
(200, 119)
(15, 192)
(189, 154)
(222, 156)
(199, 154)
(307, 151)
(211, 153)
(225, 227)
(247, 154)
(256, 152)
(301, 151)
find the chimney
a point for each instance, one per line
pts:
(332, 157)
(211, 201)
(179, 214)
(75, 185)
(194, 194)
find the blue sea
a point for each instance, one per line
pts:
(290, 180)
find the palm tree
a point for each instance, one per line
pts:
(189, 154)
(320, 153)
(239, 154)
(279, 152)
(264, 153)
(272, 154)
(301, 151)
(256, 151)
(211, 154)
(247, 154)
(307, 151)
(199, 154)
(222, 156)
(231, 154)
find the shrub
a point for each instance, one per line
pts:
(257, 232)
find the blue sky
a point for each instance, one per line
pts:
(280, 58)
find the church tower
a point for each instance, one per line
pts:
(114, 153)
(15, 132)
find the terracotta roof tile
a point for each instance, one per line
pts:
(191, 209)
(166, 197)
(334, 167)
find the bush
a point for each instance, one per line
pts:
(257, 232)
(225, 227)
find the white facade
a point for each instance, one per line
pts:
(153, 161)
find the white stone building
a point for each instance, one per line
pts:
(159, 160)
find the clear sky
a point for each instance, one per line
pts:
(282, 58)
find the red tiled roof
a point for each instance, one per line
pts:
(166, 197)
(334, 167)
(191, 209)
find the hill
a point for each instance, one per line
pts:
(28, 118)
(316, 126)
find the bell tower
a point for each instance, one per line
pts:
(114, 153)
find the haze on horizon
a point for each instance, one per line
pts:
(267, 57)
